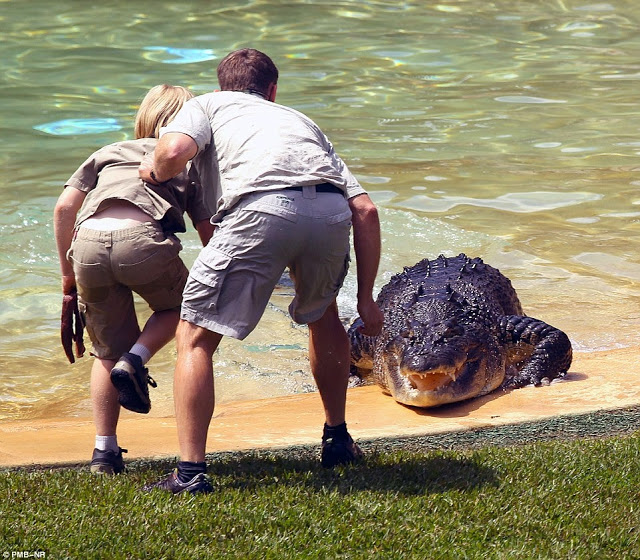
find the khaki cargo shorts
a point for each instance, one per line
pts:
(110, 266)
(233, 278)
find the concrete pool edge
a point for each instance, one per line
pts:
(598, 381)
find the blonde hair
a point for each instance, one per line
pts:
(158, 108)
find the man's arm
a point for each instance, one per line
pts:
(171, 155)
(64, 218)
(366, 244)
(205, 230)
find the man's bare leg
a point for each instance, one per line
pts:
(193, 388)
(193, 393)
(329, 357)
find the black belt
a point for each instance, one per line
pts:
(322, 187)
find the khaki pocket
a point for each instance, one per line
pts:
(209, 271)
(94, 281)
(147, 261)
(341, 217)
(276, 205)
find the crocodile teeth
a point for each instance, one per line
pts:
(425, 375)
(431, 381)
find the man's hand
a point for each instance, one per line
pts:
(146, 168)
(170, 157)
(371, 316)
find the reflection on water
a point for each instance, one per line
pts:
(506, 130)
(68, 127)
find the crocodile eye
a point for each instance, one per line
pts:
(451, 331)
(411, 329)
(407, 332)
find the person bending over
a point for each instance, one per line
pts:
(286, 200)
(115, 235)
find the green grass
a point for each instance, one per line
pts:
(551, 499)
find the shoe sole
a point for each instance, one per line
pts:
(200, 489)
(339, 455)
(130, 395)
(204, 489)
(103, 468)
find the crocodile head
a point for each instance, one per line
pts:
(442, 355)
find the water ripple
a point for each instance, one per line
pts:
(180, 55)
(527, 99)
(536, 201)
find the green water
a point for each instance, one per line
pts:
(507, 130)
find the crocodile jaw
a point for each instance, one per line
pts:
(430, 380)
(443, 385)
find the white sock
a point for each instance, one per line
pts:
(107, 443)
(142, 351)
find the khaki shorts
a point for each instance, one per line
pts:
(110, 266)
(232, 279)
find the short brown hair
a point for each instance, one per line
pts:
(247, 69)
(158, 108)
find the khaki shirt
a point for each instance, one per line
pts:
(111, 173)
(247, 144)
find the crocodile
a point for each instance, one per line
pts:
(454, 330)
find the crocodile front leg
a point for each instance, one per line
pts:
(551, 353)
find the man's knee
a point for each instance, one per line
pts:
(328, 317)
(190, 337)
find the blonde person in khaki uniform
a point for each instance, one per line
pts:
(286, 200)
(116, 235)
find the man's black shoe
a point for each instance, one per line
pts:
(132, 380)
(199, 484)
(107, 462)
(339, 449)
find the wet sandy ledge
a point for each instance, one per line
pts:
(603, 388)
